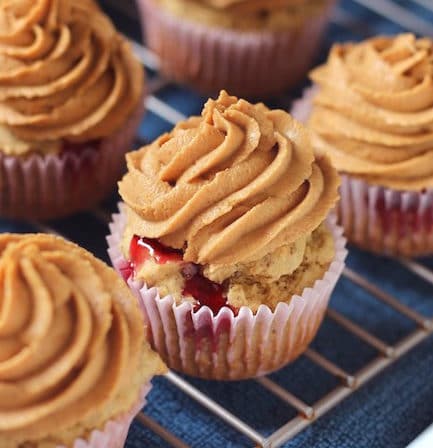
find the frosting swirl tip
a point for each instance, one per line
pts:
(72, 348)
(373, 113)
(65, 75)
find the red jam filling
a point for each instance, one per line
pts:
(206, 292)
(143, 249)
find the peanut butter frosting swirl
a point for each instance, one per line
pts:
(230, 186)
(373, 113)
(71, 342)
(65, 74)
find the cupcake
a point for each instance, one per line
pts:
(250, 47)
(371, 112)
(74, 363)
(71, 99)
(224, 235)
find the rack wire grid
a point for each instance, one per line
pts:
(347, 382)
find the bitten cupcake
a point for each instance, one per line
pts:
(371, 111)
(74, 363)
(225, 223)
(71, 99)
(250, 47)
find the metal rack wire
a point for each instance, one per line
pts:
(348, 383)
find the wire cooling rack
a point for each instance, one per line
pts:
(385, 353)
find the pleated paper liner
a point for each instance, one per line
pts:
(377, 218)
(245, 63)
(228, 347)
(114, 432)
(386, 221)
(53, 186)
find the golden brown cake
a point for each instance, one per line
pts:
(227, 212)
(273, 15)
(71, 98)
(72, 350)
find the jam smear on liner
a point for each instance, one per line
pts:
(127, 271)
(406, 222)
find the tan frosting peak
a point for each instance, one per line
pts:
(71, 342)
(373, 114)
(65, 73)
(229, 186)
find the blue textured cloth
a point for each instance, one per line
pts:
(388, 412)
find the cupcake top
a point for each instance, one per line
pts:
(252, 5)
(246, 14)
(230, 186)
(373, 113)
(72, 348)
(65, 75)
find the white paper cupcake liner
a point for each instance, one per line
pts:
(301, 108)
(52, 186)
(115, 432)
(386, 221)
(225, 346)
(253, 63)
(377, 218)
